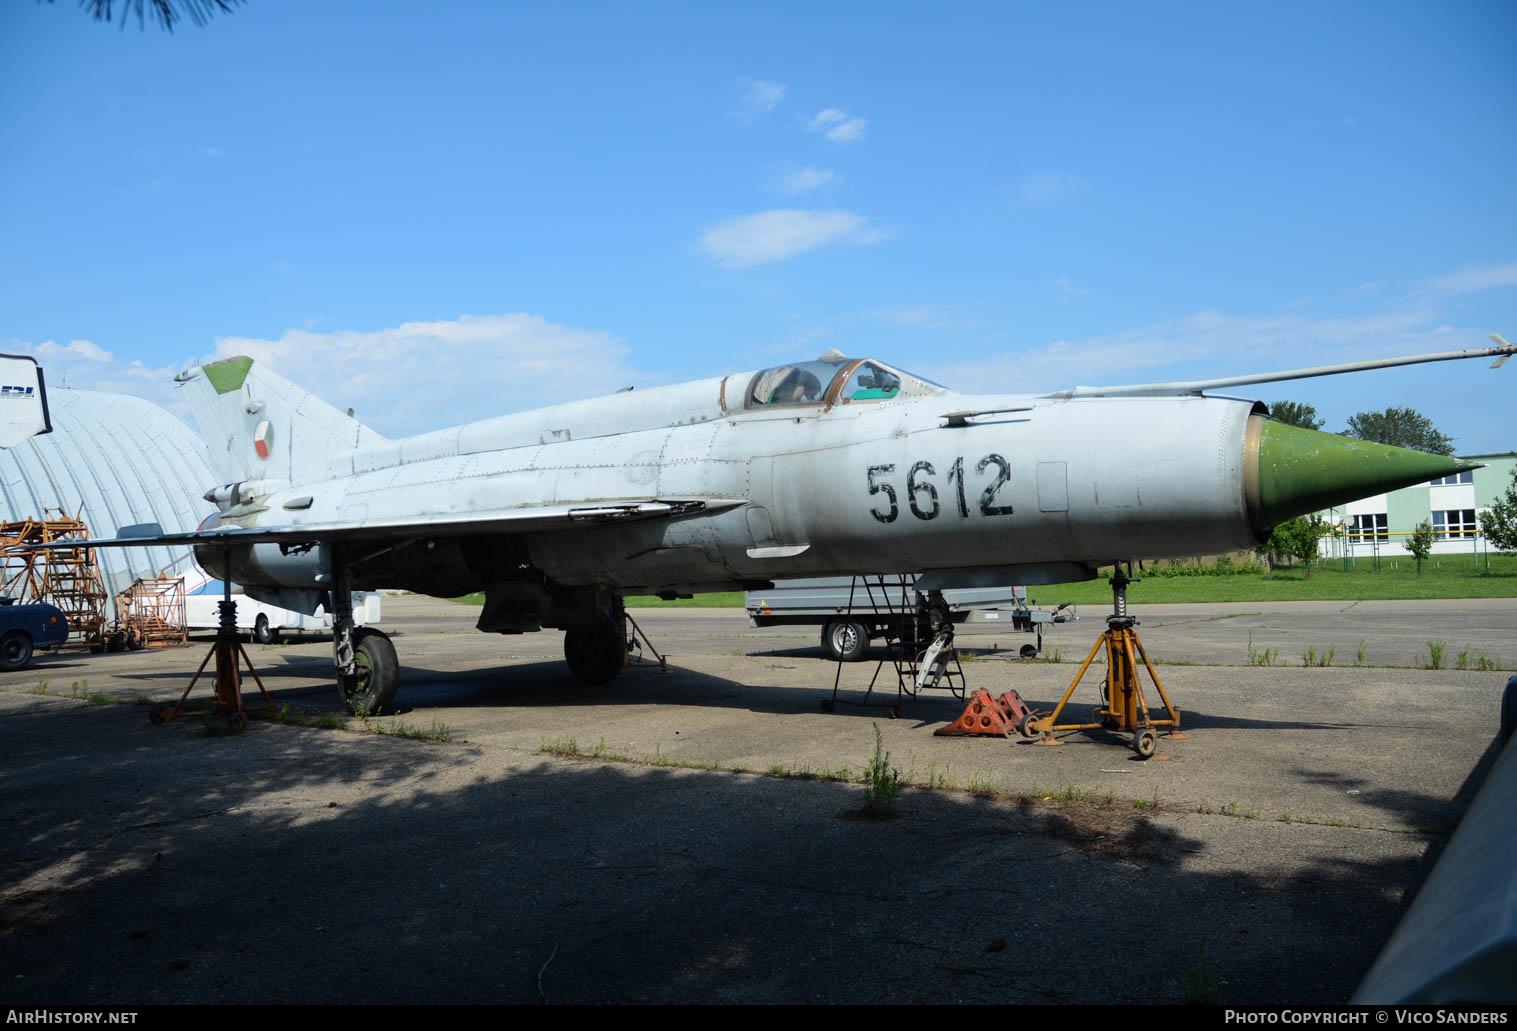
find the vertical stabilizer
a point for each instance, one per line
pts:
(258, 425)
(23, 400)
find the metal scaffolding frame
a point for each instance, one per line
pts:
(150, 613)
(66, 577)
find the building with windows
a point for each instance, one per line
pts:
(1380, 525)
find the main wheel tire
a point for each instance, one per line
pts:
(262, 632)
(845, 640)
(371, 690)
(1509, 709)
(15, 650)
(595, 651)
(134, 641)
(95, 642)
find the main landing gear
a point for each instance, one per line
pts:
(368, 673)
(597, 651)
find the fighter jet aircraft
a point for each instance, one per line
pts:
(824, 467)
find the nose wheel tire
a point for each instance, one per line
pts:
(262, 632)
(370, 689)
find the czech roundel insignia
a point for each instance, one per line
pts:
(263, 439)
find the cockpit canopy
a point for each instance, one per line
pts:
(833, 381)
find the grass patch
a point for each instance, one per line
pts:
(1435, 651)
(1203, 985)
(1312, 657)
(1455, 576)
(215, 723)
(882, 782)
(568, 748)
(1261, 656)
(439, 732)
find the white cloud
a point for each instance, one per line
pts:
(425, 375)
(1065, 284)
(760, 96)
(1046, 188)
(783, 233)
(1263, 343)
(838, 126)
(1475, 278)
(85, 365)
(797, 180)
(88, 350)
(401, 380)
(928, 317)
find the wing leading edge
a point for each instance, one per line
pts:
(534, 519)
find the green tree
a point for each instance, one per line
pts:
(1420, 543)
(1500, 523)
(165, 12)
(1298, 538)
(1402, 427)
(1296, 413)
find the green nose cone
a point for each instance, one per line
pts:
(1303, 471)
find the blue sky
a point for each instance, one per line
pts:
(435, 213)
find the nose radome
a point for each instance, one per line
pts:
(1300, 470)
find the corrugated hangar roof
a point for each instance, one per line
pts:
(115, 461)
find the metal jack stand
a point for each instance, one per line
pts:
(1123, 708)
(227, 650)
(634, 653)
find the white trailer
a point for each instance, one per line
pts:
(851, 612)
(264, 622)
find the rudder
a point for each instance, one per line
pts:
(258, 425)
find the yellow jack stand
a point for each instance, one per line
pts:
(1124, 709)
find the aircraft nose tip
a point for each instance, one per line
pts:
(1301, 471)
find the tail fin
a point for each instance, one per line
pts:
(258, 425)
(23, 400)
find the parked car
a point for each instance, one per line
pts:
(265, 622)
(25, 628)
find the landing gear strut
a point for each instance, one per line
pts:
(368, 673)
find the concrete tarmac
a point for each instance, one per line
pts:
(700, 857)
